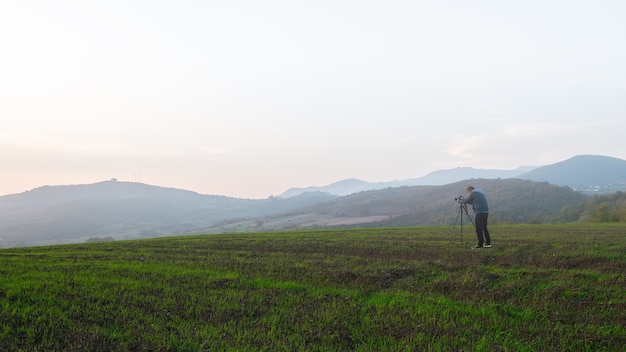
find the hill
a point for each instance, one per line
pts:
(585, 173)
(127, 210)
(435, 178)
(511, 201)
(122, 210)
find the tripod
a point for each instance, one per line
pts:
(459, 216)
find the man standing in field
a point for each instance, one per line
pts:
(478, 200)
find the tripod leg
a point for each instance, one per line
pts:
(459, 216)
(469, 217)
(461, 211)
(454, 226)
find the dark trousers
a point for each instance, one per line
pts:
(481, 228)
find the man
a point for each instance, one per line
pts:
(478, 200)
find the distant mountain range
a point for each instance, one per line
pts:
(435, 178)
(585, 173)
(129, 210)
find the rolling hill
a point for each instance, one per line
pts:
(511, 201)
(586, 173)
(126, 210)
(75, 213)
(435, 178)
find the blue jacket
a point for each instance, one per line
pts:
(478, 200)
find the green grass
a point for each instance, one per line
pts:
(542, 287)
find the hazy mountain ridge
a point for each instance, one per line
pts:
(594, 173)
(62, 214)
(125, 210)
(435, 178)
(511, 200)
(585, 173)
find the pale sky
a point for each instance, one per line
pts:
(250, 98)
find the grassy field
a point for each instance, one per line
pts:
(540, 288)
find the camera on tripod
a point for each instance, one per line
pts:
(459, 199)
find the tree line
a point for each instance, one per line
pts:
(605, 208)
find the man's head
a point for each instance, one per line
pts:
(469, 189)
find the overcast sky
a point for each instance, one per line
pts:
(250, 98)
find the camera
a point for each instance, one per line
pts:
(458, 199)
